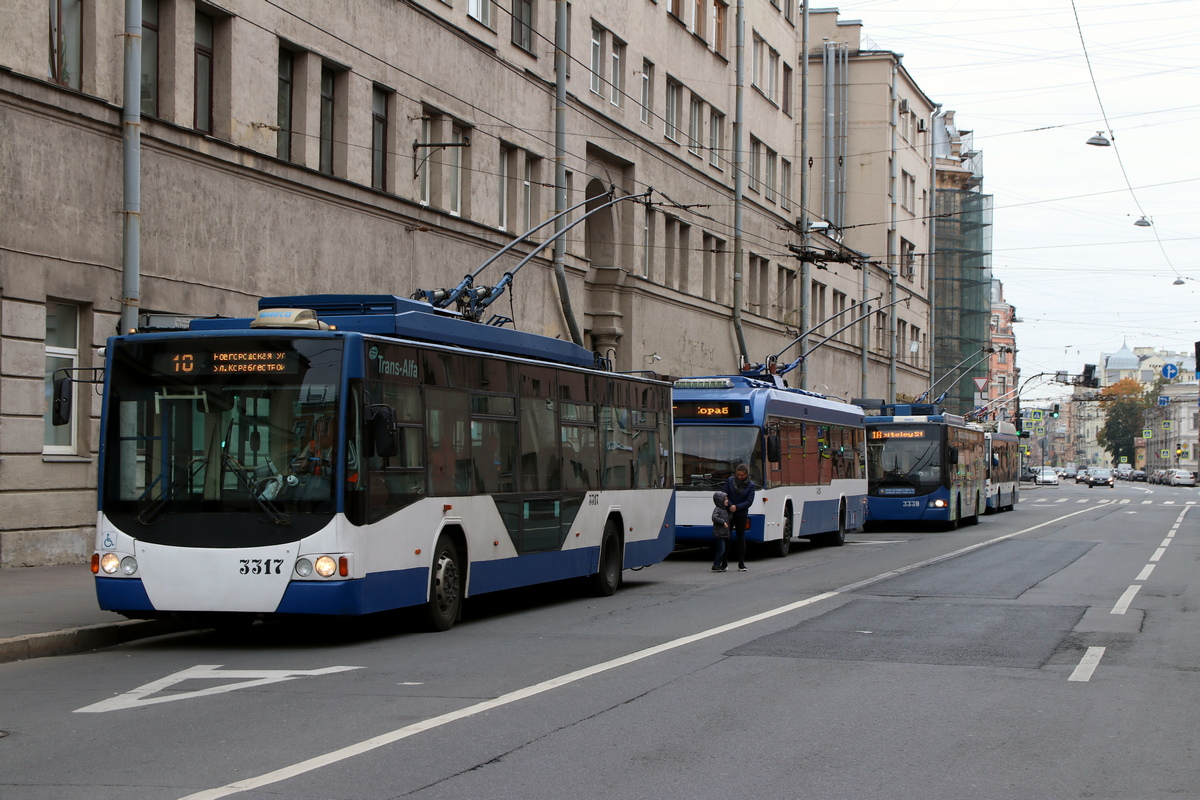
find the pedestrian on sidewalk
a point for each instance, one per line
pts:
(720, 520)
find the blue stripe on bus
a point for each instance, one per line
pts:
(893, 509)
(378, 591)
(122, 594)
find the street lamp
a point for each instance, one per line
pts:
(1099, 140)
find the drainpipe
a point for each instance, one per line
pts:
(560, 166)
(738, 178)
(805, 237)
(894, 267)
(131, 134)
(931, 338)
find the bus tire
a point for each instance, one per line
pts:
(974, 518)
(608, 575)
(445, 586)
(838, 538)
(784, 545)
(954, 520)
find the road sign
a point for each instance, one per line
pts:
(1040, 431)
(1124, 459)
(1147, 433)
(1036, 414)
(1169, 371)
(1166, 425)
(1163, 400)
(1164, 453)
(980, 383)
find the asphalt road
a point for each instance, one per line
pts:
(1050, 652)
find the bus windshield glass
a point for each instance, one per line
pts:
(904, 459)
(219, 425)
(706, 455)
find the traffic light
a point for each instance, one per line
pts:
(1054, 411)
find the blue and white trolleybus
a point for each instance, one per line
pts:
(1003, 465)
(924, 467)
(345, 454)
(804, 449)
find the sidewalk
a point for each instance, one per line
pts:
(52, 611)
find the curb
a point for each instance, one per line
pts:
(78, 640)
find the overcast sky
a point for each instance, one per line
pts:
(1082, 276)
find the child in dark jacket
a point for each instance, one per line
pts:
(720, 520)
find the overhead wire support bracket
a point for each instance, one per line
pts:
(433, 147)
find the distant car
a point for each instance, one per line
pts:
(1081, 476)
(1070, 473)
(1138, 475)
(1028, 474)
(1101, 477)
(1158, 476)
(1046, 476)
(1124, 474)
(1181, 477)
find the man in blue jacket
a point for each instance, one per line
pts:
(739, 491)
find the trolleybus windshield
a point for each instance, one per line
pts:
(904, 459)
(214, 425)
(706, 455)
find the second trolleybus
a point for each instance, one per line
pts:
(803, 449)
(1003, 459)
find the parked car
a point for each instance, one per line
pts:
(1046, 476)
(1081, 476)
(1158, 476)
(1138, 475)
(1028, 474)
(1101, 477)
(1181, 477)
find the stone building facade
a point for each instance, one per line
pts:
(389, 147)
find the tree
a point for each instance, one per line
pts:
(1124, 418)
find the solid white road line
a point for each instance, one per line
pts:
(1087, 665)
(391, 737)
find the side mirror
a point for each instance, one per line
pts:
(952, 455)
(381, 431)
(774, 451)
(64, 393)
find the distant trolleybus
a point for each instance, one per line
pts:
(804, 450)
(926, 468)
(1003, 460)
(344, 454)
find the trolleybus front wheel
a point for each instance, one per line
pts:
(784, 545)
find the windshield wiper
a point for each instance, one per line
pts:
(147, 515)
(243, 476)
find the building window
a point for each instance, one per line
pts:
(66, 42)
(647, 90)
(755, 162)
(675, 9)
(716, 132)
(480, 10)
(719, 34)
(786, 100)
(647, 239)
(424, 184)
(204, 73)
(529, 191)
(672, 116)
(506, 154)
(785, 184)
(379, 137)
(458, 138)
(758, 60)
(327, 109)
(522, 24)
(597, 58)
(772, 75)
(769, 174)
(150, 57)
(699, 13)
(62, 352)
(283, 116)
(695, 125)
(617, 81)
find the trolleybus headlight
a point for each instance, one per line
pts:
(326, 566)
(109, 563)
(939, 504)
(304, 567)
(129, 565)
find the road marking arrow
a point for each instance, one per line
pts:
(246, 679)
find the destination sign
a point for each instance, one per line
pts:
(196, 362)
(898, 433)
(701, 409)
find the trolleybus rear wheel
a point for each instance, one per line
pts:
(445, 586)
(608, 577)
